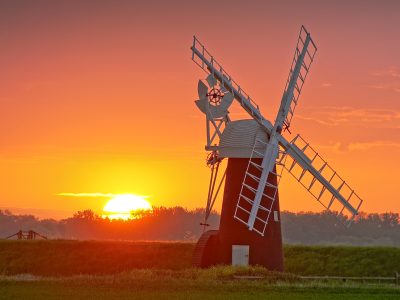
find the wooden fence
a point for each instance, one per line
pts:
(395, 279)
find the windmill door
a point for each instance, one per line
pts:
(240, 255)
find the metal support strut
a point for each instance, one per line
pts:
(213, 161)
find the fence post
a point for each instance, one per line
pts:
(397, 278)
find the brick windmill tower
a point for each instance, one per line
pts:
(257, 152)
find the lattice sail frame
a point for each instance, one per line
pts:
(249, 189)
(303, 41)
(210, 65)
(317, 189)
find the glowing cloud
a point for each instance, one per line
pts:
(86, 195)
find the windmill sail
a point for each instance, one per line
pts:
(303, 57)
(245, 204)
(209, 64)
(320, 179)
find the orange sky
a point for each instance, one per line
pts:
(97, 96)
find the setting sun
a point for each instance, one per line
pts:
(122, 206)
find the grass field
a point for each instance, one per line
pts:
(216, 283)
(139, 270)
(342, 261)
(66, 258)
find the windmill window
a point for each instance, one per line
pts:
(276, 216)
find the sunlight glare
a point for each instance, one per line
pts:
(122, 206)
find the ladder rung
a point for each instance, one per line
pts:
(243, 209)
(280, 163)
(334, 173)
(351, 194)
(256, 165)
(304, 71)
(257, 179)
(312, 183)
(260, 154)
(240, 220)
(262, 221)
(331, 202)
(305, 66)
(305, 147)
(323, 167)
(359, 204)
(269, 197)
(259, 232)
(263, 208)
(302, 174)
(271, 185)
(311, 56)
(301, 78)
(301, 39)
(274, 173)
(322, 191)
(293, 142)
(247, 199)
(250, 188)
(297, 88)
(292, 166)
(315, 156)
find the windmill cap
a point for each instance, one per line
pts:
(238, 138)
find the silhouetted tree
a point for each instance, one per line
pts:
(177, 223)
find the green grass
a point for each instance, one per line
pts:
(342, 260)
(66, 258)
(58, 269)
(214, 283)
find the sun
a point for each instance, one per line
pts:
(122, 206)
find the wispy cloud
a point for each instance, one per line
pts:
(392, 71)
(389, 79)
(96, 195)
(331, 147)
(334, 116)
(106, 195)
(326, 122)
(370, 145)
(393, 86)
(358, 146)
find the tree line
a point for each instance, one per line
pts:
(179, 224)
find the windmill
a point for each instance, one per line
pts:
(257, 152)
